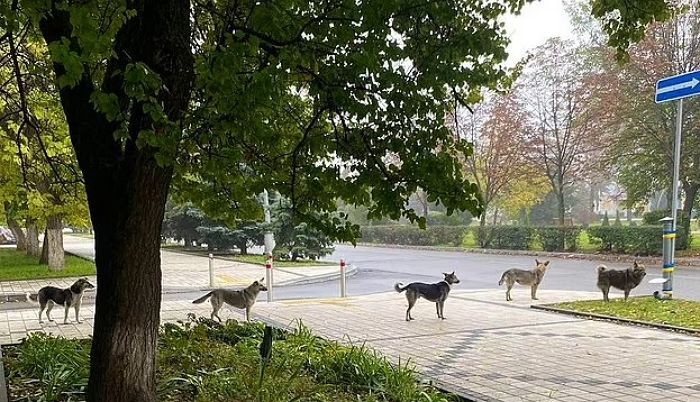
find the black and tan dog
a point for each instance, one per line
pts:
(434, 292)
(244, 298)
(531, 278)
(623, 279)
(71, 297)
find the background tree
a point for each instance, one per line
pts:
(562, 141)
(643, 147)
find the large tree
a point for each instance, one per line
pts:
(236, 96)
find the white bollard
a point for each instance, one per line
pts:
(268, 277)
(343, 283)
(211, 270)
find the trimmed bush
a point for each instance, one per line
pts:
(684, 238)
(559, 238)
(636, 240)
(505, 237)
(414, 236)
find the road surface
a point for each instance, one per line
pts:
(379, 268)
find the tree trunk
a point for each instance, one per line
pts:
(127, 189)
(561, 208)
(54, 240)
(44, 259)
(691, 192)
(15, 228)
(33, 239)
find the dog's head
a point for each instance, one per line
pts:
(638, 271)
(80, 285)
(258, 286)
(541, 266)
(451, 278)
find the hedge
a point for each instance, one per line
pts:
(559, 238)
(414, 236)
(637, 240)
(505, 237)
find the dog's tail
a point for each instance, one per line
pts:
(32, 298)
(503, 278)
(203, 298)
(398, 286)
(601, 268)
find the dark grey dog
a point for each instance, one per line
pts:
(531, 278)
(625, 280)
(71, 297)
(434, 292)
(244, 298)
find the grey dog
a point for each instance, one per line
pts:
(71, 297)
(531, 278)
(244, 298)
(625, 280)
(434, 292)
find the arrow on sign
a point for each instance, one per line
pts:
(683, 85)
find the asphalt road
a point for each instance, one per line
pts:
(380, 268)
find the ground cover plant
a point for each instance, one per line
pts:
(201, 360)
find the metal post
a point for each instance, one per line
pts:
(673, 230)
(269, 238)
(668, 245)
(268, 277)
(343, 283)
(211, 271)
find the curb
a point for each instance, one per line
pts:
(579, 256)
(673, 328)
(319, 278)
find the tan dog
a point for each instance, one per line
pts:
(244, 298)
(531, 278)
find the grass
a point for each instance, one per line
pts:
(201, 360)
(16, 265)
(259, 259)
(680, 313)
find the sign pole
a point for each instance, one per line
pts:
(668, 270)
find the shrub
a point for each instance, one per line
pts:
(637, 240)
(414, 236)
(559, 238)
(505, 237)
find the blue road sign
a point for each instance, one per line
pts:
(678, 87)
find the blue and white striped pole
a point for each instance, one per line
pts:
(669, 245)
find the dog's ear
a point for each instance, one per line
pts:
(453, 272)
(636, 264)
(546, 263)
(537, 261)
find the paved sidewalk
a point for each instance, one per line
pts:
(487, 349)
(187, 272)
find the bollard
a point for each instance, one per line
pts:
(669, 246)
(268, 277)
(211, 270)
(343, 283)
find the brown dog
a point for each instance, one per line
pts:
(244, 298)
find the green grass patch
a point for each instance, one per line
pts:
(259, 259)
(201, 360)
(680, 313)
(16, 265)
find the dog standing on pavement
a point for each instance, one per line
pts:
(531, 278)
(625, 280)
(71, 297)
(434, 292)
(244, 298)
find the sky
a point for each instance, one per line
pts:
(537, 22)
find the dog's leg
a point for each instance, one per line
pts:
(41, 311)
(605, 294)
(77, 311)
(411, 303)
(442, 309)
(216, 306)
(65, 317)
(509, 286)
(437, 308)
(49, 306)
(533, 291)
(627, 293)
(247, 313)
